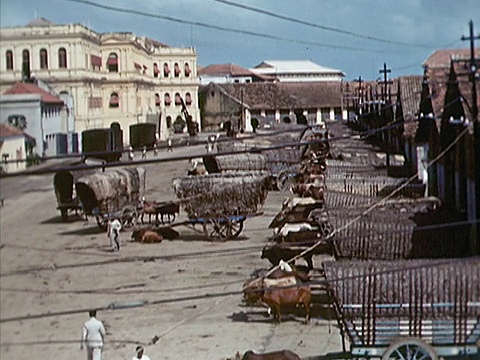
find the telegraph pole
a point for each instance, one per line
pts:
(385, 71)
(474, 245)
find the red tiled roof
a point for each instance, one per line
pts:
(28, 88)
(7, 130)
(229, 69)
(441, 58)
(410, 90)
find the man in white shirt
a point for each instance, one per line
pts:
(93, 334)
(113, 233)
(140, 354)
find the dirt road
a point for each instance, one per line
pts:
(185, 291)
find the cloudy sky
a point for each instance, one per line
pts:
(355, 36)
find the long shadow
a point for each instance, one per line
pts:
(92, 229)
(59, 220)
(331, 356)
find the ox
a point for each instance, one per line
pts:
(274, 355)
(281, 292)
(151, 237)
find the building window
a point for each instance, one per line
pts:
(157, 99)
(176, 70)
(62, 58)
(26, 64)
(96, 62)
(18, 121)
(169, 122)
(114, 100)
(156, 70)
(95, 102)
(187, 70)
(9, 59)
(43, 59)
(166, 99)
(112, 62)
(188, 99)
(166, 70)
(178, 99)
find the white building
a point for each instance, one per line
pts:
(38, 113)
(297, 71)
(14, 148)
(112, 77)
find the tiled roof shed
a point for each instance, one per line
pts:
(232, 70)
(410, 90)
(441, 58)
(314, 94)
(260, 96)
(7, 130)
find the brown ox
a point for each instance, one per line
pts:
(276, 297)
(151, 237)
(274, 355)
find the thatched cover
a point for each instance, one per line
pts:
(63, 182)
(110, 191)
(432, 299)
(234, 162)
(234, 193)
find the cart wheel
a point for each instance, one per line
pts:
(218, 228)
(102, 223)
(129, 217)
(409, 349)
(236, 228)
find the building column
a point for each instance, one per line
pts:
(248, 120)
(318, 119)
(277, 115)
(332, 114)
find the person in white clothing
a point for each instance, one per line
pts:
(140, 354)
(93, 335)
(113, 233)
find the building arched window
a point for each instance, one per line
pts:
(178, 99)
(176, 70)
(169, 122)
(114, 100)
(157, 100)
(187, 70)
(166, 70)
(9, 59)
(62, 58)
(156, 70)
(166, 99)
(188, 99)
(26, 63)
(112, 62)
(43, 59)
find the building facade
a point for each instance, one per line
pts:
(15, 146)
(112, 77)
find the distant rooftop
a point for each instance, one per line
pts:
(40, 22)
(443, 57)
(29, 88)
(229, 69)
(7, 130)
(292, 66)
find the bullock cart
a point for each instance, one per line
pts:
(67, 199)
(217, 205)
(407, 309)
(116, 193)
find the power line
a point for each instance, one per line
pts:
(323, 27)
(231, 30)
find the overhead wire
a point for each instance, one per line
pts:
(226, 29)
(317, 26)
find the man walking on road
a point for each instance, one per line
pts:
(113, 233)
(169, 145)
(140, 354)
(93, 335)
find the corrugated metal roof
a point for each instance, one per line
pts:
(292, 66)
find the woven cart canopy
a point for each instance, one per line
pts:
(234, 162)
(227, 194)
(110, 191)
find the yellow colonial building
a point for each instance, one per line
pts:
(112, 77)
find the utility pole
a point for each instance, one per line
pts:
(474, 245)
(385, 71)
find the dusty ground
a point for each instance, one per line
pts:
(53, 272)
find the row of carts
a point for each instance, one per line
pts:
(421, 309)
